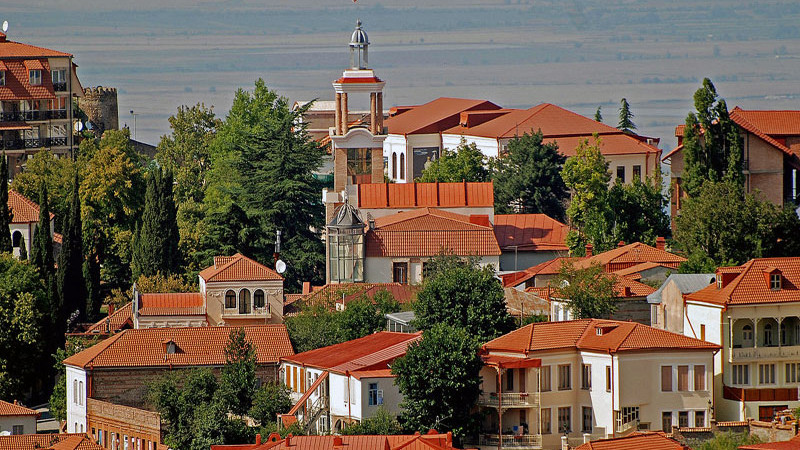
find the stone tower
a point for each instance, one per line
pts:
(100, 105)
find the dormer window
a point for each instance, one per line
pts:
(598, 331)
(719, 282)
(775, 281)
(2, 77)
(170, 347)
(35, 77)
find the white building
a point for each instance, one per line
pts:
(344, 383)
(593, 379)
(17, 419)
(25, 218)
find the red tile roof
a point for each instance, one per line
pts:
(428, 232)
(43, 441)
(173, 304)
(23, 209)
(370, 352)
(115, 322)
(750, 286)
(11, 49)
(76, 443)
(631, 255)
(198, 346)
(430, 441)
(18, 84)
(238, 268)
(14, 409)
(530, 232)
(435, 116)
(375, 373)
(418, 195)
(581, 334)
(635, 441)
(551, 267)
(610, 144)
(332, 293)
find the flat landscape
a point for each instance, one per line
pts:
(579, 54)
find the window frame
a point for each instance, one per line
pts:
(637, 172)
(740, 374)
(35, 77)
(666, 375)
(584, 417)
(621, 174)
(546, 413)
(2, 77)
(400, 265)
(586, 377)
(664, 416)
(565, 425)
(565, 377)
(683, 378)
(230, 294)
(699, 414)
(766, 374)
(609, 379)
(256, 298)
(699, 382)
(775, 281)
(545, 379)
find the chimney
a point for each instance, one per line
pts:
(589, 248)
(337, 441)
(111, 309)
(288, 441)
(306, 287)
(621, 244)
(258, 439)
(661, 243)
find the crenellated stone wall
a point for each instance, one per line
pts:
(100, 105)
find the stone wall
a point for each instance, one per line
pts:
(100, 105)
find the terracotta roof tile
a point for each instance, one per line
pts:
(23, 209)
(13, 409)
(369, 352)
(750, 286)
(530, 232)
(172, 304)
(238, 268)
(610, 144)
(772, 122)
(198, 346)
(76, 443)
(114, 322)
(332, 293)
(581, 334)
(39, 441)
(791, 444)
(427, 232)
(434, 116)
(429, 441)
(11, 49)
(742, 119)
(635, 441)
(631, 255)
(375, 373)
(417, 195)
(18, 85)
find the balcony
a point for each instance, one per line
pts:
(531, 441)
(33, 115)
(34, 143)
(55, 142)
(255, 313)
(60, 87)
(13, 144)
(510, 400)
(765, 353)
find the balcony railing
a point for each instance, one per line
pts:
(253, 313)
(759, 353)
(60, 87)
(531, 441)
(13, 144)
(55, 142)
(509, 399)
(38, 114)
(623, 427)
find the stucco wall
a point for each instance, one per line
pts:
(215, 302)
(28, 424)
(76, 399)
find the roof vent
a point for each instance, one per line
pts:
(170, 347)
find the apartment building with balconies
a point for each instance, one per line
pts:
(36, 90)
(591, 379)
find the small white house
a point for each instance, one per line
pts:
(17, 419)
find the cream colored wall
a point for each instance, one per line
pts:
(215, 301)
(649, 165)
(378, 269)
(28, 423)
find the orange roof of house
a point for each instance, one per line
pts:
(623, 288)
(44, 441)
(238, 268)
(375, 373)
(197, 346)
(610, 144)
(11, 49)
(18, 84)
(751, 286)
(435, 116)
(635, 441)
(418, 195)
(75, 443)
(429, 441)
(14, 409)
(370, 352)
(23, 209)
(632, 254)
(428, 232)
(114, 322)
(530, 232)
(581, 334)
(550, 267)
(633, 271)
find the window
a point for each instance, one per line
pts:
(394, 165)
(510, 380)
(59, 76)
(18, 429)
(747, 336)
(621, 174)
(402, 166)
(766, 374)
(666, 421)
(629, 414)
(230, 299)
(768, 335)
(783, 334)
(565, 419)
(258, 299)
(637, 172)
(35, 77)
(75, 391)
(654, 315)
(666, 378)
(700, 378)
(544, 377)
(683, 378)
(546, 426)
(775, 281)
(740, 374)
(586, 422)
(586, 376)
(400, 272)
(564, 377)
(702, 332)
(699, 418)
(373, 395)
(2, 77)
(288, 377)
(683, 419)
(294, 379)
(80, 393)
(792, 372)
(359, 165)
(608, 378)
(244, 301)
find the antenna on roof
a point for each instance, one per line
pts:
(5, 26)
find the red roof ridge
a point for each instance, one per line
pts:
(55, 53)
(740, 120)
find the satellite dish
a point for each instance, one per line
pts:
(78, 126)
(280, 266)
(5, 26)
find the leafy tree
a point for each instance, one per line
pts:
(55, 174)
(464, 296)
(598, 116)
(270, 400)
(5, 211)
(314, 327)
(712, 145)
(440, 382)
(586, 175)
(727, 441)
(237, 384)
(364, 316)
(638, 211)
(625, 117)
(382, 423)
(163, 283)
(155, 247)
(528, 180)
(226, 233)
(465, 163)
(91, 273)
(71, 283)
(42, 249)
(589, 292)
(23, 249)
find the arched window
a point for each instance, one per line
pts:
(75, 391)
(80, 392)
(230, 299)
(16, 239)
(402, 166)
(747, 333)
(244, 301)
(258, 298)
(768, 334)
(394, 165)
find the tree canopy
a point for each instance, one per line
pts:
(465, 163)
(5, 211)
(155, 247)
(625, 117)
(588, 292)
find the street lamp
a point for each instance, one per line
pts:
(134, 124)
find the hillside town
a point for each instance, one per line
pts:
(339, 273)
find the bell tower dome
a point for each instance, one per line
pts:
(359, 45)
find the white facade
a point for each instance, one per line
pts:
(76, 399)
(399, 150)
(379, 269)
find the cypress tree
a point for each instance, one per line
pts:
(23, 250)
(156, 240)
(91, 271)
(598, 116)
(5, 211)
(42, 248)
(626, 117)
(71, 283)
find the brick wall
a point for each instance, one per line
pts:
(112, 425)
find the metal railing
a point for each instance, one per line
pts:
(509, 399)
(35, 114)
(531, 441)
(55, 142)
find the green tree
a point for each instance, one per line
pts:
(71, 283)
(270, 400)
(440, 382)
(226, 233)
(23, 249)
(42, 249)
(237, 385)
(727, 441)
(712, 146)
(465, 163)
(638, 211)
(365, 316)
(94, 297)
(5, 211)
(527, 180)
(589, 292)
(155, 248)
(598, 115)
(55, 174)
(465, 296)
(625, 117)
(382, 423)
(314, 327)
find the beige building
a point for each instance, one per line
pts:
(17, 419)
